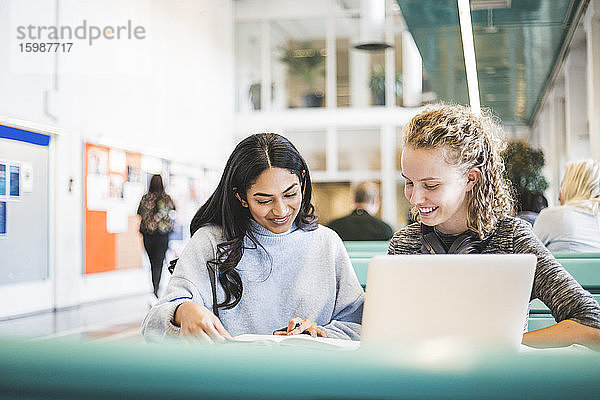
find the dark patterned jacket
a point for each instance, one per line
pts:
(155, 210)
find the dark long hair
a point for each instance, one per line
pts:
(249, 159)
(156, 184)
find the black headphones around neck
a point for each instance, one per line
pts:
(466, 243)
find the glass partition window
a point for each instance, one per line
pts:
(332, 200)
(311, 144)
(290, 56)
(298, 62)
(359, 149)
(248, 71)
(360, 74)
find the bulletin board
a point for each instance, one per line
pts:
(115, 181)
(24, 223)
(113, 186)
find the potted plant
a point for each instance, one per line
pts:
(377, 84)
(523, 168)
(307, 64)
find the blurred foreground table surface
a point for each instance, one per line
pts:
(86, 370)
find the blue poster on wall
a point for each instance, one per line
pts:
(2, 179)
(2, 218)
(15, 177)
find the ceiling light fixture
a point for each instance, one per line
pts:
(372, 24)
(466, 31)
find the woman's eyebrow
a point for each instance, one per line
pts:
(262, 194)
(270, 195)
(290, 188)
(429, 178)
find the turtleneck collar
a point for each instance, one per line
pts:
(262, 231)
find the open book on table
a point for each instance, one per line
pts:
(299, 341)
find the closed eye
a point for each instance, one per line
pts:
(292, 194)
(431, 187)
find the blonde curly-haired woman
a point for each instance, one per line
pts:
(454, 181)
(574, 226)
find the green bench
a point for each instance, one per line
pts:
(366, 248)
(361, 252)
(585, 268)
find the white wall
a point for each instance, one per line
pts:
(565, 126)
(169, 94)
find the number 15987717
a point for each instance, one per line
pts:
(45, 47)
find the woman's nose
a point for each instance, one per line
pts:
(279, 208)
(416, 196)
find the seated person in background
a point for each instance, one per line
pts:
(360, 224)
(530, 204)
(257, 260)
(574, 226)
(454, 181)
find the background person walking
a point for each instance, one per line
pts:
(156, 210)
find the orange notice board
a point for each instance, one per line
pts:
(113, 186)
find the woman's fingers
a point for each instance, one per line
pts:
(197, 336)
(221, 329)
(293, 324)
(213, 333)
(302, 325)
(198, 321)
(298, 325)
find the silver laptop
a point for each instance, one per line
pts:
(476, 299)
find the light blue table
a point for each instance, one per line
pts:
(76, 370)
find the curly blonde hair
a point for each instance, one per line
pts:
(580, 186)
(468, 141)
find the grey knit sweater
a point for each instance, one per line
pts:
(304, 274)
(552, 284)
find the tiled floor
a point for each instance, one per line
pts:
(110, 320)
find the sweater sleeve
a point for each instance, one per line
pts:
(406, 241)
(553, 285)
(190, 282)
(347, 315)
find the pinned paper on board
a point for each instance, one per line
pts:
(116, 217)
(117, 161)
(27, 177)
(115, 188)
(2, 219)
(15, 181)
(97, 159)
(97, 192)
(2, 180)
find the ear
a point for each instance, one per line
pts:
(473, 176)
(244, 202)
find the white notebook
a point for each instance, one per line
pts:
(299, 341)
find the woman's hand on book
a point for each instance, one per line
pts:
(298, 325)
(197, 321)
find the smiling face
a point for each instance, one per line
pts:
(274, 200)
(437, 189)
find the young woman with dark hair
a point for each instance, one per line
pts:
(156, 211)
(272, 265)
